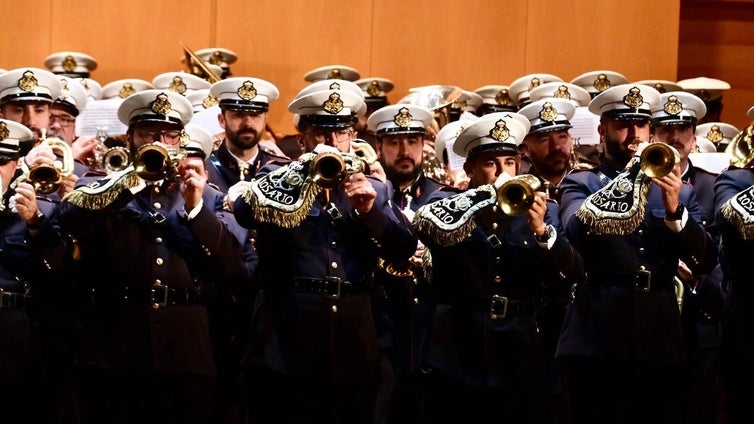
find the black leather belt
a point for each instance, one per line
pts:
(497, 306)
(158, 296)
(333, 287)
(11, 300)
(641, 281)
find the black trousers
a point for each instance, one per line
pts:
(618, 393)
(276, 398)
(105, 396)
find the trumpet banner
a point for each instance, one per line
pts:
(739, 211)
(618, 207)
(101, 193)
(449, 221)
(284, 196)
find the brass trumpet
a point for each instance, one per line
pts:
(46, 178)
(364, 150)
(516, 195)
(329, 169)
(740, 148)
(153, 162)
(658, 160)
(108, 159)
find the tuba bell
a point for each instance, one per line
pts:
(740, 149)
(658, 159)
(46, 178)
(516, 195)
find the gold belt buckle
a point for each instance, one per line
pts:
(498, 307)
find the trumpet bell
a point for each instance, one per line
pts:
(328, 169)
(46, 178)
(516, 195)
(116, 159)
(658, 160)
(152, 162)
(740, 149)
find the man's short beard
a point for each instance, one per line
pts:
(243, 144)
(401, 178)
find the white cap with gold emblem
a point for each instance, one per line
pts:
(244, 93)
(400, 119)
(71, 64)
(11, 133)
(335, 107)
(678, 107)
(468, 101)
(499, 134)
(663, 86)
(217, 56)
(200, 140)
(29, 84)
(341, 72)
(548, 115)
(180, 82)
(520, 88)
(626, 101)
(596, 82)
(72, 95)
(707, 89)
(375, 90)
(445, 139)
(125, 87)
(496, 98)
(155, 106)
(576, 94)
(718, 133)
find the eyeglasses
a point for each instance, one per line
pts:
(169, 137)
(337, 136)
(65, 121)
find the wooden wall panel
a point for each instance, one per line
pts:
(716, 41)
(467, 43)
(638, 39)
(280, 41)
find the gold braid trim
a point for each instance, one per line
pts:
(738, 216)
(264, 212)
(449, 221)
(100, 194)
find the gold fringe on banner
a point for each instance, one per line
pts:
(100, 194)
(451, 220)
(618, 207)
(738, 215)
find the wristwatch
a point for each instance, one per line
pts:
(547, 235)
(677, 215)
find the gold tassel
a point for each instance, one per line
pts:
(743, 225)
(99, 197)
(440, 236)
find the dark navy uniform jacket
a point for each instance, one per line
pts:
(408, 306)
(737, 348)
(223, 170)
(305, 334)
(464, 341)
(124, 250)
(609, 318)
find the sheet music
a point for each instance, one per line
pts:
(585, 126)
(100, 114)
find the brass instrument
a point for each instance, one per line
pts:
(364, 150)
(153, 162)
(437, 98)
(108, 159)
(679, 290)
(46, 178)
(516, 195)
(329, 169)
(658, 160)
(197, 66)
(740, 149)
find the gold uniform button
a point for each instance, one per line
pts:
(334, 308)
(156, 189)
(333, 245)
(494, 225)
(498, 260)
(641, 250)
(334, 265)
(158, 261)
(416, 301)
(157, 205)
(498, 278)
(158, 240)
(158, 282)
(641, 232)
(642, 268)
